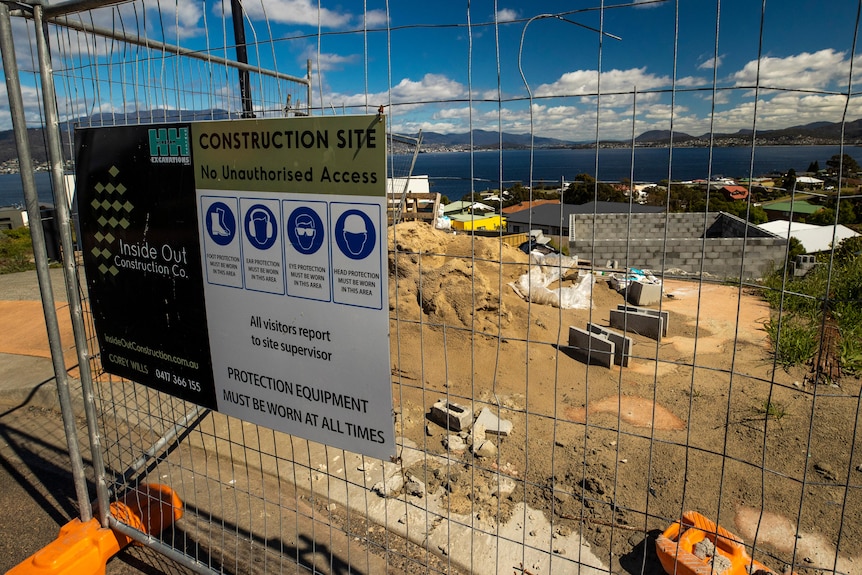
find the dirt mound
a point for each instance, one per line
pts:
(451, 279)
(687, 425)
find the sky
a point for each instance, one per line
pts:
(547, 68)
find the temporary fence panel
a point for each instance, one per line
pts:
(676, 391)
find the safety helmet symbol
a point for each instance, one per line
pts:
(354, 224)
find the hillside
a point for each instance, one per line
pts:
(818, 133)
(814, 133)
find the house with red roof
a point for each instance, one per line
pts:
(734, 192)
(527, 205)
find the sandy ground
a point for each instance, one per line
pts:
(614, 454)
(619, 453)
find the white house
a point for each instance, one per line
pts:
(812, 237)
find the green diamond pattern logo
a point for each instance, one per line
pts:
(110, 213)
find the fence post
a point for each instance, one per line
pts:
(25, 163)
(61, 204)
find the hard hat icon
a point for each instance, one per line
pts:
(354, 224)
(355, 234)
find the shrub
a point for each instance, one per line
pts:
(16, 250)
(794, 339)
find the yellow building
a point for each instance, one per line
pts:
(477, 222)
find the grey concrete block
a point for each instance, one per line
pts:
(641, 293)
(663, 314)
(451, 415)
(492, 423)
(622, 344)
(636, 322)
(591, 348)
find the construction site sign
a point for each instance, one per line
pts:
(241, 265)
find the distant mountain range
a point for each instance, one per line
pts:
(808, 134)
(488, 139)
(818, 131)
(38, 149)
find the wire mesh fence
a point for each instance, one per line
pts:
(554, 411)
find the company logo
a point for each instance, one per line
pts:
(169, 146)
(111, 210)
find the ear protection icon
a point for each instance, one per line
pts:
(255, 221)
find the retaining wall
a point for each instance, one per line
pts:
(638, 240)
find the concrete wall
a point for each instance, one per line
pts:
(639, 241)
(12, 218)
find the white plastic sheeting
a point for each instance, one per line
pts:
(545, 270)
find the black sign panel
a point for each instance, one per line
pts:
(136, 199)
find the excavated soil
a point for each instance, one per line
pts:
(702, 420)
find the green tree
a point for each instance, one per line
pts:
(813, 167)
(788, 182)
(848, 212)
(656, 196)
(471, 197)
(585, 189)
(849, 249)
(824, 217)
(850, 166)
(796, 249)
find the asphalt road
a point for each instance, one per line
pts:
(37, 495)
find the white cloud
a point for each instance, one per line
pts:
(325, 62)
(711, 63)
(648, 3)
(414, 127)
(433, 87)
(303, 12)
(506, 15)
(806, 70)
(405, 95)
(455, 113)
(375, 18)
(585, 82)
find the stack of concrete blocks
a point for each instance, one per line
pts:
(802, 265)
(640, 320)
(600, 345)
(622, 344)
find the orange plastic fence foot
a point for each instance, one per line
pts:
(149, 508)
(80, 548)
(84, 548)
(676, 549)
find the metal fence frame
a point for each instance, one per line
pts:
(174, 429)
